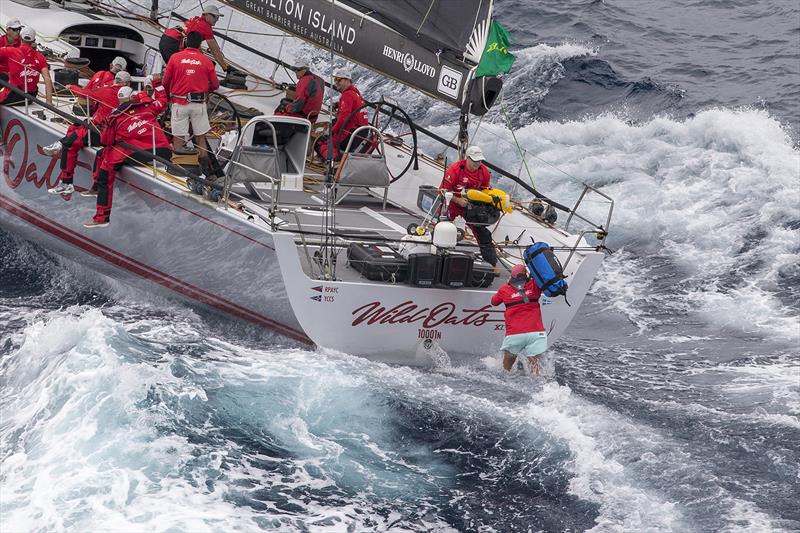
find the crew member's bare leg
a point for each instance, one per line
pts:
(508, 360)
(534, 365)
(202, 145)
(178, 142)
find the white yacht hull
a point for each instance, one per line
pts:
(168, 239)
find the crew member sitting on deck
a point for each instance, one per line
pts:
(25, 65)
(342, 128)
(102, 78)
(133, 124)
(105, 101)
(307, 96)
(173, 40)
(11, 38)
(469, 173)
(188, 79)
(525, 333)
(154, 90)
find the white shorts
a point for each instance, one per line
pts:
(184, 114)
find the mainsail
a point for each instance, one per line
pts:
(431, 45)
(455, 25)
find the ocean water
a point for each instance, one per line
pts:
(674, 398)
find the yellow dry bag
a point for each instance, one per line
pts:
(495, 197)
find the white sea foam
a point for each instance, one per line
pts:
(105, 430)
(715, 194)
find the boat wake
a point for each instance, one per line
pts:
(137, 423)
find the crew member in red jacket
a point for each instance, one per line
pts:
(11, 38)
(105, 101)
(155, 90)
(525, 334)
(188, 79)
(307, 96)
(25, 65)
(102, 78)
(342, 128)
(173, 40)
(469, 173)
(133, 124)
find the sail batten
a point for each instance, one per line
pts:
(439, 24)
(407, 40)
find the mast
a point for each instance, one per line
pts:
(154, 10)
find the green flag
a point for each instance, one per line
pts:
(496, 58)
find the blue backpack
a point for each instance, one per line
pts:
(546, 269)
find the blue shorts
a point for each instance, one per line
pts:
(526, 343)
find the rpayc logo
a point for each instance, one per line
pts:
(449, 82)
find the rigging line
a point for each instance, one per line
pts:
(421, 24)
(519, 148)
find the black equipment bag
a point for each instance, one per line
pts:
(456, 270)
(481, 213)
(378, 262)
(424, 270)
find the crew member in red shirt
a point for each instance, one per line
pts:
(469, 173)
(156, 92)
(340, 132)
(105, 99)
(188, 79)
(11, 38)
(102, 78)
(152, 100)
(525, 333)
(307, 96)
(133, 123)
(25, 65)
(173, 39)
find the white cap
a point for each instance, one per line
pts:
(122, 77)
(475, 153)
(124, 93)
(212, 10)
(16, 24)
(343, 72)
(148, 81)
(120, 62)
(28, 34)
